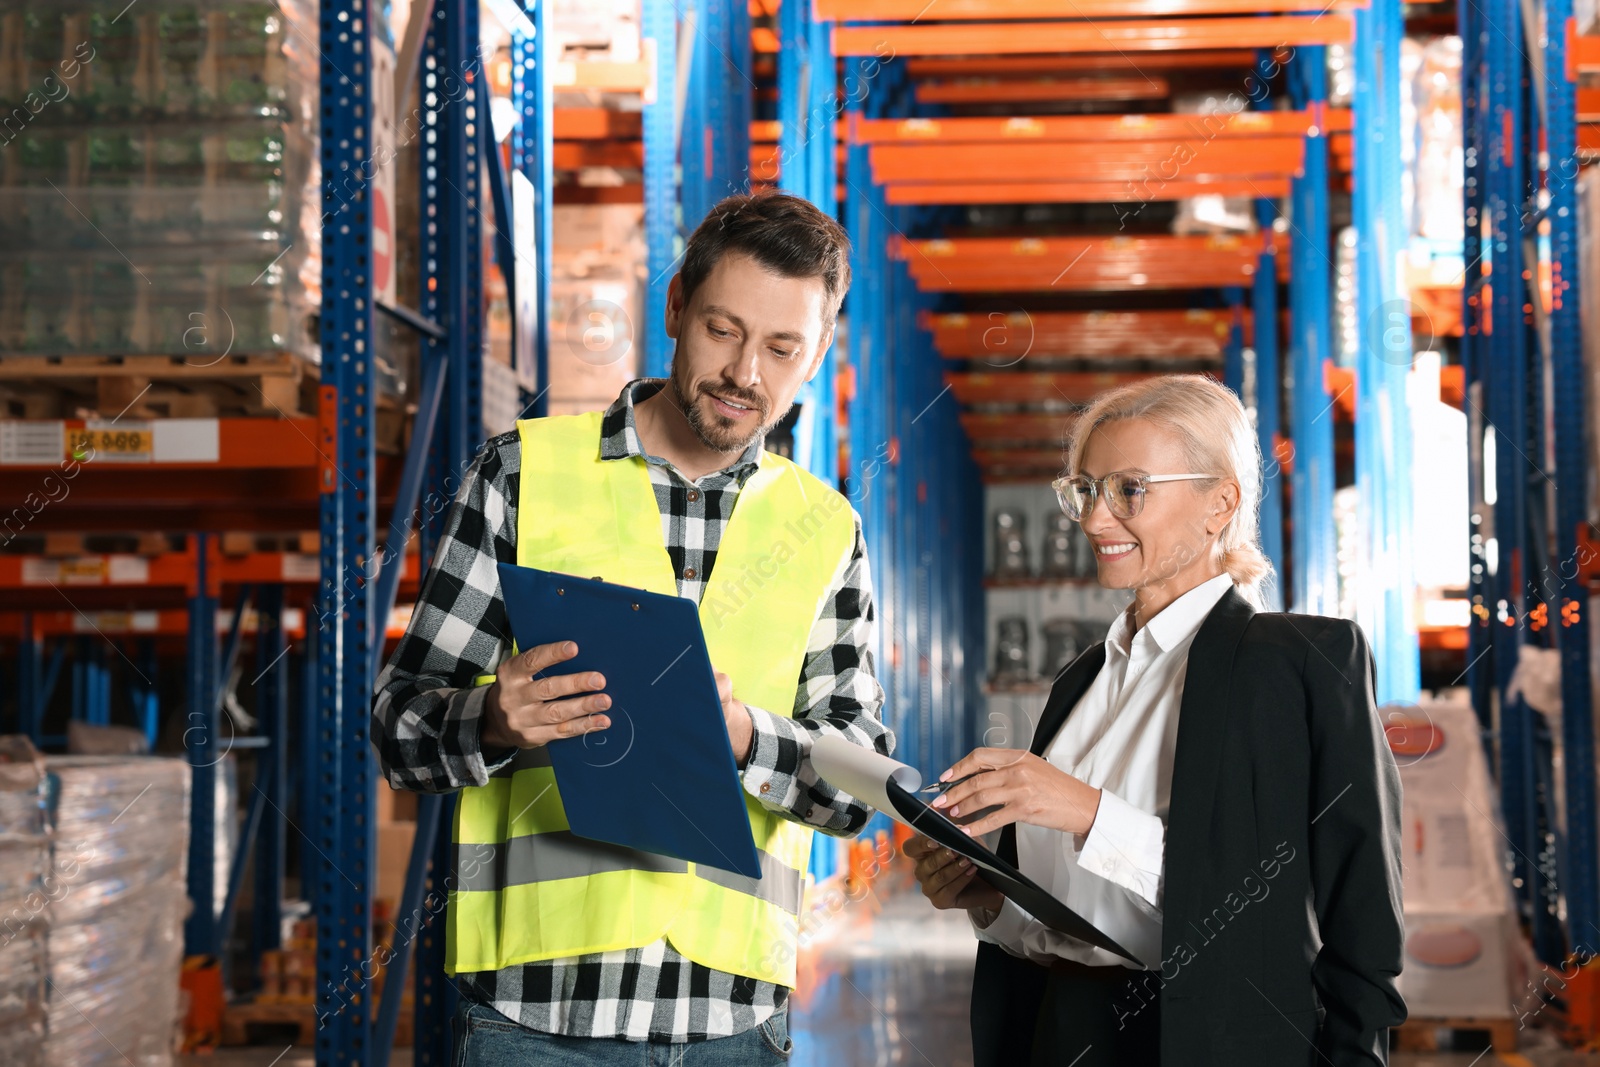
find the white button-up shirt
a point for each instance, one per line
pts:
(1120, 738)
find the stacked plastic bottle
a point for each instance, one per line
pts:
(25, 886)
(158, 176)
(116, 928)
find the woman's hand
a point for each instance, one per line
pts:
(1021, 787)
(947, 879)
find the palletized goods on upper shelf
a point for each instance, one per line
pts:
(159, 175)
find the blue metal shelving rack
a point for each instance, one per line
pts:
(1528, 582)
(1314, 573)
(455, 151)
(343, 785)
(911, 475)
(658, 27)
(1386, 606)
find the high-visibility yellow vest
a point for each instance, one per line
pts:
(525, 888)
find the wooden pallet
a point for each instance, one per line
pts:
(154, 386)
(258, 1022)
(1422, 1034)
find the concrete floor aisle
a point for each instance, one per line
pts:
(891, 985)
(887, 984)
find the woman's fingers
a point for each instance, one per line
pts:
(987, 797)
(966, 795)
(979, 759)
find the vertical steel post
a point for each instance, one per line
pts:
(1312, 551)
(272, 775)
(1386, 606)
(202, 747)
(1268, 391)
(1579, 874)
(343, 785)
(659, 30)
(532, 149)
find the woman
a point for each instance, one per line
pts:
(1210, 787)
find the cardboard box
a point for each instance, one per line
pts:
(395, 805)
(1457, 966)
(394, 855)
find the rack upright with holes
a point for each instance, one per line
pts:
(1530, 583)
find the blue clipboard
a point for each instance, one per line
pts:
(662, 777)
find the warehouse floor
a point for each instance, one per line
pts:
(888, 986)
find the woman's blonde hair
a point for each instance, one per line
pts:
(1216, 437)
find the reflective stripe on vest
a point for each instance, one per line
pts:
(525, 887)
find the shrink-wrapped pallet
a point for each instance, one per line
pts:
(116, 930)
(159, 178)
(25, 885)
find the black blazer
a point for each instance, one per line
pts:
(1281, 933)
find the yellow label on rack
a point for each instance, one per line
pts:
(132, 443)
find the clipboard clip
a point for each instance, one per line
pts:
(597, 578)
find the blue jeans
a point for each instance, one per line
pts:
(485, 1038)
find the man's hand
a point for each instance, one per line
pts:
(946, 878)
(525, 711)
(1021, 787)
(741, 731)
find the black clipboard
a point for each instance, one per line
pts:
(1018, 887)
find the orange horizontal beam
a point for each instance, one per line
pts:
(1151, 334)
(995, 10)
(595, 124)
(1588, 105)
(962, 250)
(1035, 387)
(1080, 192)
(626, 193)
(1146, 163)
(1584, 54)
(1436, 311)
(241, 443)
(1176, 279)
(604, 123)
(1078, 264)
(1036, 426)
(1040, 90)
(574, 155)
(1013, 66)
(1008, 38)
(763, 40)
(1340, 383)
(1442, 638)
(1092, 128)
(167, 622)
(1046, 461)
(171, 570)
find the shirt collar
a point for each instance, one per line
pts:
(1178, 621)
(619, 429)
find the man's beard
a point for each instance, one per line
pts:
(714, 431)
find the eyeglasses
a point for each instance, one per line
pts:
(1124, 491)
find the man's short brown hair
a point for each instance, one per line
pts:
(784, 233)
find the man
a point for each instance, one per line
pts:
(577, 954)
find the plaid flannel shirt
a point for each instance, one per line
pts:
(426, 720)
